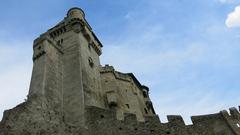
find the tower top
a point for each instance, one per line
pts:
(75, 12)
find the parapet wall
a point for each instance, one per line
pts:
(32, 118)
(104, 122)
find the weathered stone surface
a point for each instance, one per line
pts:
(103, 122)
(72, 94)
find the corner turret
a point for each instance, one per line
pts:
(75, 13)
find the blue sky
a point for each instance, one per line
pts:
(186, 51)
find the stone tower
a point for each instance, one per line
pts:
(66, 67)
(72, 94)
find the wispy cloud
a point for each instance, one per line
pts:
(187, 75)
(226, 1)
(15, 71)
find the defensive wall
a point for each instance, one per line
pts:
(104, 122)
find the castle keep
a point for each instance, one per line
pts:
(72, 94)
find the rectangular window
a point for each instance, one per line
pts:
(145, 94)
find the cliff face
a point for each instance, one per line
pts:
(72, 94)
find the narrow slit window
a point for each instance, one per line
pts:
(146, 111)
(89, 47)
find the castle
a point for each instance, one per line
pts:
(72, 94)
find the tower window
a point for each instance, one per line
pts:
(102, 116)
(89, 47)
(90, 61)
(59, 42)
(145, 94)
(128, 106)
(146, 111)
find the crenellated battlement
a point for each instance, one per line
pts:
(101, 119)
(176, 120)
(234, 114)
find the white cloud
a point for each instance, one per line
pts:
(233, 19)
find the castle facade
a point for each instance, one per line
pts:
(72, 94)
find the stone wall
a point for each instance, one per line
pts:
(36, 117)
(104, 122)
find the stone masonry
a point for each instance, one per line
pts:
(72, 94)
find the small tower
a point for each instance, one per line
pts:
(76, 13)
